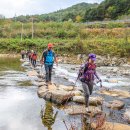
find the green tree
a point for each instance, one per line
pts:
(78, 18)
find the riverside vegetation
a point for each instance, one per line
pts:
(68, 37)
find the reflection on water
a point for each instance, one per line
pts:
(48, 117)
(10, 64)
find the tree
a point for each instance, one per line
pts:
(78, 18)
(111, 12)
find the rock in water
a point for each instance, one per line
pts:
(58, 96)
(40, 84)
(116, 104)
(32, 73)
(112, 81)
(111, 126)
(66, 88)
(42, 91)
(52, 87)
(22, 60)
(54, 95)
(80, 109)
(77, 93)
(79, 99)
(94, 101)
(26, 64)
(127, 115)
(115, 93)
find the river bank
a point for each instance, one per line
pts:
(106, 60)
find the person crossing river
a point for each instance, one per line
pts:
(87, 73)
(48, 59)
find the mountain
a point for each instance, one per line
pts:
(82, 12)
(62, 15)
(108, 10)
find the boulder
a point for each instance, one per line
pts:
(116, 104)
(77, 93)
(112, 81)
(80, 109)
(79, 56)
(52, 87)
(127, 115)
(122, 61)
(79, 99)
(51, 93)
(115, 93)
(111, 126)
(32, 73)
(115, 69)
(40, 84)
(100, 60)
(22, 60)
(66, 88)
(57, 96)
(26, 64)
(42, 91)
(66, 78)
(94, 101)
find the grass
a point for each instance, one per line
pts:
(25, 83)
(68, 37)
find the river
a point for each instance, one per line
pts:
(20, 107)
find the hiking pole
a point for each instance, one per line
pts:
(77, 78)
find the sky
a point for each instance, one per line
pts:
(9, 8)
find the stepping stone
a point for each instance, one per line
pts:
(80, 109)
(32, 73)
(66, 88)
(127, 115)
(111, 126)
(116, 104)
(94, 101)
(116, 93)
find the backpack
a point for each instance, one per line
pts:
(87, 72)
(49, 57)
(34, 56)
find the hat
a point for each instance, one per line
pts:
(92, 56)
(50, 45)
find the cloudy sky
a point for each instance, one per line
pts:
(9, 8)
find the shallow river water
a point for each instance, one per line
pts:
(20, 107)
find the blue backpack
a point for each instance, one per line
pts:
(49, 57)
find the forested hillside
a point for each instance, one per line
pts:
(106, 10)
(74, 13)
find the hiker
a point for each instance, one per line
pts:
(48, 58)
(87, 74)
(31, 55)
(34, 58)
(22, 54)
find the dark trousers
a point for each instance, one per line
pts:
(88, 88)
(29, 57)
(31, 60)
(34, 63)
(22, 56)
(48, 69)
